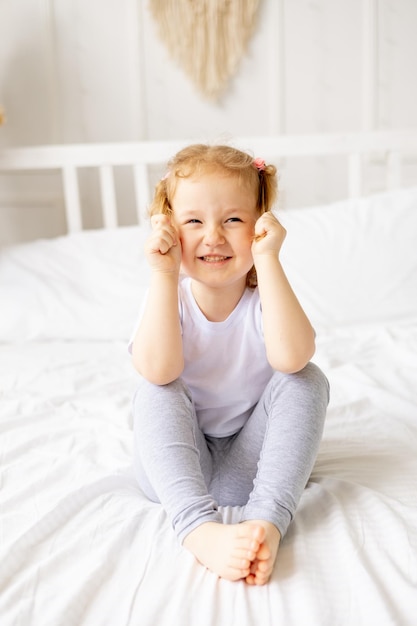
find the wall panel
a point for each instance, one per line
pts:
(97, 69)
(397, 54)
(24, 81)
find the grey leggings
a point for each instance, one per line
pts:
(262, 468)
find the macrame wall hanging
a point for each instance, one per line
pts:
(206, 37)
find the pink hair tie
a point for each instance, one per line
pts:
(259, 164)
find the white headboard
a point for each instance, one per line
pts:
(394, 146)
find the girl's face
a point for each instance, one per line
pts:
(215, 217)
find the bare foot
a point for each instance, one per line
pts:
(262, 565)
(228, 550)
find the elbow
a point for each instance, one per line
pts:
(288, 366)
(159, 378)
(292, 361)
(156, 374)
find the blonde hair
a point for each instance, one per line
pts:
(199, 159)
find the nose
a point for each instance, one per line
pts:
(213, 236)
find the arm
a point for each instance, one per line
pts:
(289, 336)
(157, 346)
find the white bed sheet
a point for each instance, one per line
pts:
(80, 544)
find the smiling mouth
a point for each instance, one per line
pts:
(214, 259)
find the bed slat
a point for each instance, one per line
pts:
(108, 196)
(72, 198)
(141, 182)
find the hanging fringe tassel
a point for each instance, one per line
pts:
(206, 37)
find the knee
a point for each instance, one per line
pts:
(313, 376)
(148, 389)
(315, 385)
(148, 396)
(310, 382)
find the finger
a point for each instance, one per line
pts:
(163, 224)
(161, 243)
(164, 246)
(160, 220)
(260, 229)
(269, 222)
(259, 236)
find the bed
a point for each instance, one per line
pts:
(80, 544)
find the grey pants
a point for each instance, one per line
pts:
(262, 468)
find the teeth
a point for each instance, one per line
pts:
(214, 259)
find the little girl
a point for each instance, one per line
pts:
(229, 410)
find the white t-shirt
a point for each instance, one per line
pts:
(226, 367)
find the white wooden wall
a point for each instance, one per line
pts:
(95, 70)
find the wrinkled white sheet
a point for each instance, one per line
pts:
(81, 546)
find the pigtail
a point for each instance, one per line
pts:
(160, 202)
(267, 192)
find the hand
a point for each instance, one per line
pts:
(163, 247)
(269, 235)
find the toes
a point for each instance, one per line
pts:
(259, 533)
(252, 532)
(246, 554)
(240, 563)
(236, 569)
(260, 570)
(264, 566)
(235, 574)
(247, 547)
(263, 572)
(261, 580)
(264, 553)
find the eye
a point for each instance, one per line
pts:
(194, 220)
(234, 219)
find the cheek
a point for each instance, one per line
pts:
(247, 238)
(187, 247)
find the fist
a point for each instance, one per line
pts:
(163, 247)
(269, 235)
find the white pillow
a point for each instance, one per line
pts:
(354, 261)
(83, 286)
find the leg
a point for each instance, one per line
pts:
(295, 406)
(173, 466)
(172, 462)
(278, 445)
